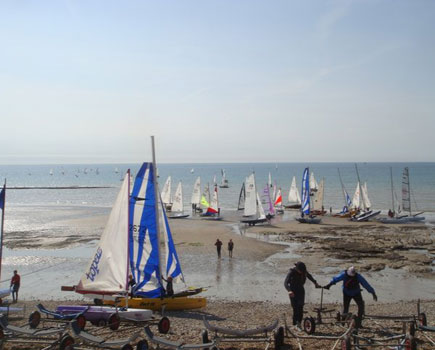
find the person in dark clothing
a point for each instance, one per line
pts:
(15, 286)
(131, 283)
(294, 283)
(352, 290)
(230, 248)
(169, 286)
(218, 245)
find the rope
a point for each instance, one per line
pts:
(36, 271)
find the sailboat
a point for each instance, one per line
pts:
(267, 200)
(196, 196)
(212, 210)
(346, 212)
(361, 202)
(177, 206)
(294, 198)
(406, 203)
(131, 244)
(279, 208)
(306, 216)
(253, 212)
(242, 197)
(166, 194)
(3, 292)
(224, 183)
(317, 199)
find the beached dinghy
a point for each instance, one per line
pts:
(213, 210)
(253, 212)
(177, 211)
(294, 198)
(306, 217)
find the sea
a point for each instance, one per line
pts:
(39, 196)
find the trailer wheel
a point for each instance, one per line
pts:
(164, 325)
(101, 323)
(81, 321)
(345, 344)
(422, 318)
(114, 322)
(410, 343)
(142, 345)
(309, 325)
(279, 338)
(34, 319)
(66, 342)
(127, 347)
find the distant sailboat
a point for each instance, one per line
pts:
(51, 172)
(279, 208)
(166, 194)
(306, 216)
(177, 209)
(224, 183)
(294, 198)
(196, 196)
(213, 210)
(253, 211)
(192, 171)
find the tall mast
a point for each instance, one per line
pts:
(128, 234)
(156, 207)
(360, 189)
(392, 190)
(409, 190)
(2, 227)
(342, 188)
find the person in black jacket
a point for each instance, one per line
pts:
(294, 283)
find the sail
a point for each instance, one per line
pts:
(250, 199)
(269, 182)
(166, 191)
(317, 200)
(177, 205)
(144, 240)
(261, 213)
(305, 192)
(107, 271)
(267, 200)
(406, 195)
(293, 195)
(242, 197)
(356, 201)
(278, 199)
(196, 194)
(205, 198)
(365, 196)
(214, 204)
(313, 183)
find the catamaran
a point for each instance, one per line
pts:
(361, 202)
(294, 198)
(177, 210)
(306, 216)
(253, 212)
(130, 245)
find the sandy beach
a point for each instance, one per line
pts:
(247, 290)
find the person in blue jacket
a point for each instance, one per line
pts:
(352, 290)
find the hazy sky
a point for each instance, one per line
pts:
(217, 81)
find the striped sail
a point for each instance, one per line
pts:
(108, 269)
(406, 195)
(305, 192)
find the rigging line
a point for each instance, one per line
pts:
(39, 270)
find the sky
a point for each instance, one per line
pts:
(217, 81)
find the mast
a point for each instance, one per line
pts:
(128, 237)
(360, 191)
(392, 191)
(3, 194)
(342, 189)
(156, 207)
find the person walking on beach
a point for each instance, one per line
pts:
(230, 248)
(218, 245)
(15, 285)
(352, 290)
(294, 283)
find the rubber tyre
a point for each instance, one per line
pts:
(113, 322)
(309, 325)
(279, 338)
(127, 347)
(164, 325)
(142, 345)
(410, 343)
(66, 342)
(422, 318)
(345, 344)
(81, 322)
(101, 323)
(34, 319)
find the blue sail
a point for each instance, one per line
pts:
(143, 235)
(306, 192)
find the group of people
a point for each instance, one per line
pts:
(230, 247)
(297, 276)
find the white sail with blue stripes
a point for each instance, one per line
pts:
(146, 261)
(305, 209)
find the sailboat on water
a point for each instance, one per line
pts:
(253, 210)
(224, 183)
(294, 198)
(131, 245)
(177, 210)
(306, 216)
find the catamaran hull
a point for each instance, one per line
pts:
(365, 216)
(97, 313)
(179, 216)
(293, 206)
(402, 220)
(170, 303)
(253, 222)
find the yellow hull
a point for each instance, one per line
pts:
(156, 304)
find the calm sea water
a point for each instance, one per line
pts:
(377, 176)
